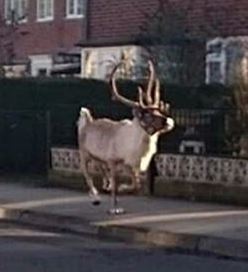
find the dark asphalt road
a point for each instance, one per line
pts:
(29, 250)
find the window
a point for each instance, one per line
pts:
(99, 62)
(44, 10)
(40, 65)
(42, 72)
(214, 71)
(74, 8)
(244, 68)
(90, 63)
(216, 61)
(16, 11)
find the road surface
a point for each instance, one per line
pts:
(23, 249)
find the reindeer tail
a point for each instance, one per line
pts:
(85, 117)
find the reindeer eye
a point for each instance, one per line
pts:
(140, 114)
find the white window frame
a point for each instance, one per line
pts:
(98, 62)
(89, 63)
(213, 57)
(244, 67)
(46, 17)
(40, 62)
(16, 6)
(74, 15)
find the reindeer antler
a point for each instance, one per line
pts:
(115, 92)
(150, 82)
(151, 102)
(149, 99)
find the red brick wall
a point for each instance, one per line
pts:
(117, 19)
(47, 37)
(122, 18)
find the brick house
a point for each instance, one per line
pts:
(39, 36)
(50, 33)
(113, 28)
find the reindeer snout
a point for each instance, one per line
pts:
(170, 123)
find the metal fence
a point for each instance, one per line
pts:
(194, 128)
(24, 141)
(27, 136)
(206, 127)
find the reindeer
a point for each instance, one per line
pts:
(131, 143)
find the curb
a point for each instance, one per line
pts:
(148, 236)
(199, 244)
(48, 221)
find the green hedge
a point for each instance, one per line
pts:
(200, 97)
(46, 93)
(64, 97)
(38, 94)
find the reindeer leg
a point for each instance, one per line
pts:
(105, 184)
(115, 209)
(106, 179)
(135, 182)
(114, 194)
(93, 193)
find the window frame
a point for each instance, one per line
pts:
(45, 18)
(216, 57)
(74, 15)
(18, 9)
(98, 62)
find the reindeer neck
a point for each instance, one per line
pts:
(145, 126)
(145, 144)
(140, 129)
(136, 123)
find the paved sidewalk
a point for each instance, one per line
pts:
(200, 227)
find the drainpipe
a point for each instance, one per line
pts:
(85, 30)
(87, 20)
(151, 177)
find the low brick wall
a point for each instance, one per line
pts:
(223, 180)
(67, 160)
(202, 169)
(187, 176)
(65, 170)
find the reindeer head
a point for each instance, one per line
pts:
(150, 110)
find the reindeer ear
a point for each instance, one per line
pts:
(170, 124)
(137, 112)
(134, 111)
(167, 107)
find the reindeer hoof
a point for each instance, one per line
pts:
(95, 199)
(106, 190)
(96, 202)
